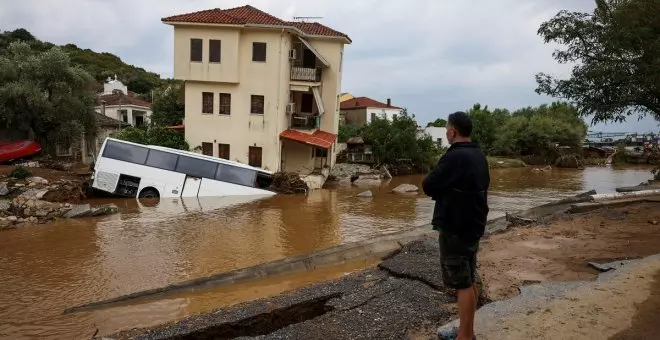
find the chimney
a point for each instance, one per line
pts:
(389, 102)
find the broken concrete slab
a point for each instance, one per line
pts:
(107, 209)
(417, 260)
(79, 210)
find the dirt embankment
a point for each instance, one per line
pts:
(560, 250)
(43, 195)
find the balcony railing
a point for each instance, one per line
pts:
(304, 122)
(306, 74)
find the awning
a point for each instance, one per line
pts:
(299, 88)
(319, 101)
(319, 138)
(316, 53)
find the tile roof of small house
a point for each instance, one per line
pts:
(319, 138)
(122, 99)
(363, 103)
(105, 121)
(248, 15)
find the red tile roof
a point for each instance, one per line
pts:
(365, 102)
(314, 28)
(319, 138)
(117, 99)
(248, 15)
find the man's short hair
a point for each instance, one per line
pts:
(461, 122)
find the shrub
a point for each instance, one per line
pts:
(20, 172)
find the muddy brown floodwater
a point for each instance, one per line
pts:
(46, 269)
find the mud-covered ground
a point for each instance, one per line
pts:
(404, 297)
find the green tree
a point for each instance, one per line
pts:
(616, 52)
(159, 136)
(99, 65)
(538, 131)
(44, 95)
(486, 125)
(168, 110)
(347, 131)
(437, 123)
(399, 139)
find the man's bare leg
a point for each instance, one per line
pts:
(467, 305)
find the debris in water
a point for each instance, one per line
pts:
(288, 183)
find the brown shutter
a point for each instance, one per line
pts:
(255, 156)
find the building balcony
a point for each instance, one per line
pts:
(303, 121)
(306, 74)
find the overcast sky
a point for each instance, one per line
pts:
(432, 56)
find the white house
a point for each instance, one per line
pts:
(438, 134)
(117, 103)
(362, 110)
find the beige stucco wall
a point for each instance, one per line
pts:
(297, 157)
(238, 75)
(227, 70)
(355, 117)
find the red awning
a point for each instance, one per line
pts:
(176, 127)
(319, 138)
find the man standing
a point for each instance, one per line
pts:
(459, 186)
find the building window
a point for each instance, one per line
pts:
(207, 149)
(306, 103)
(257, 104)
(259, 51)
(196, 48)
(207, 102)
(223, 151)
(214, 51)
(254, 157)
(225, 103)
(321, 152)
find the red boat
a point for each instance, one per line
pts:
(10, 151)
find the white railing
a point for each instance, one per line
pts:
(305, 74)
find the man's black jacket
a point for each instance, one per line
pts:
(459, 187)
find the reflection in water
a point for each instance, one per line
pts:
(45, 269)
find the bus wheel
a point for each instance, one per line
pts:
(149, 193)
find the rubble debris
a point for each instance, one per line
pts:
(288, 183)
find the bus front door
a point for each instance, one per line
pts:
(191, 186)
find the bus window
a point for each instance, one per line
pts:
(235, 175)
(196, 167)
(125, 152)
(162, 160)
(264, 180)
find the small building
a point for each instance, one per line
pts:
(438, 134)
(358, 152)
(362, 110)
(125, 108)
(117, 102)
(86, 149)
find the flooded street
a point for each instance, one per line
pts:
(46, 269)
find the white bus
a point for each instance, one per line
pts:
(146, 171)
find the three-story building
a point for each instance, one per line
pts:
(258, 89)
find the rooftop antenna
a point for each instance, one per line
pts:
(304, 19)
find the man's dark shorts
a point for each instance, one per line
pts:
(458, 260)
